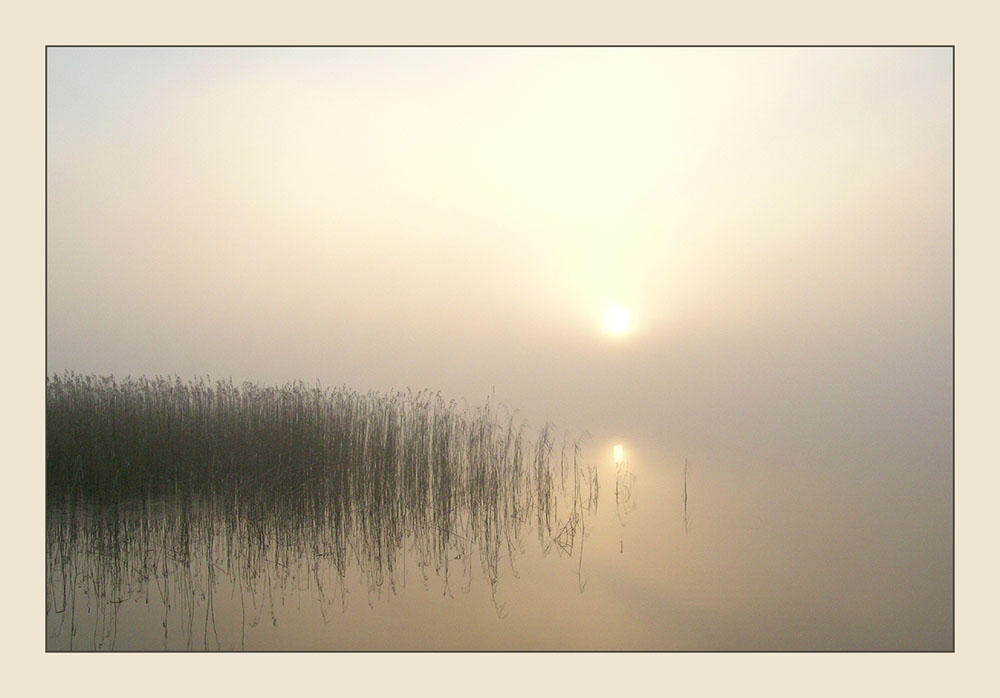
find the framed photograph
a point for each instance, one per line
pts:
(505, 348)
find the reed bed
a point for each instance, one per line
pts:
(153, 481)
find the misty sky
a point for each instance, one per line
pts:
(777, 222)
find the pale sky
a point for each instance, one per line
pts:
(775, 222)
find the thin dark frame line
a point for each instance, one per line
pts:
(952, 46)
(45, 470)
(954, 600)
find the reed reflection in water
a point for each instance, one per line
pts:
(189, 495)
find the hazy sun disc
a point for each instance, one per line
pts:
(617, 321)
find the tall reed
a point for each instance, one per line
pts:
(156, 474)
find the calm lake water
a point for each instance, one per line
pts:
(785, 558)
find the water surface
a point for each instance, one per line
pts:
(790, 561)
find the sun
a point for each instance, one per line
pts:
(617, 321)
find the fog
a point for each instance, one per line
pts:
(778, 223)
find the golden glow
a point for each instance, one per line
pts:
(619, 452)
(617, 321)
